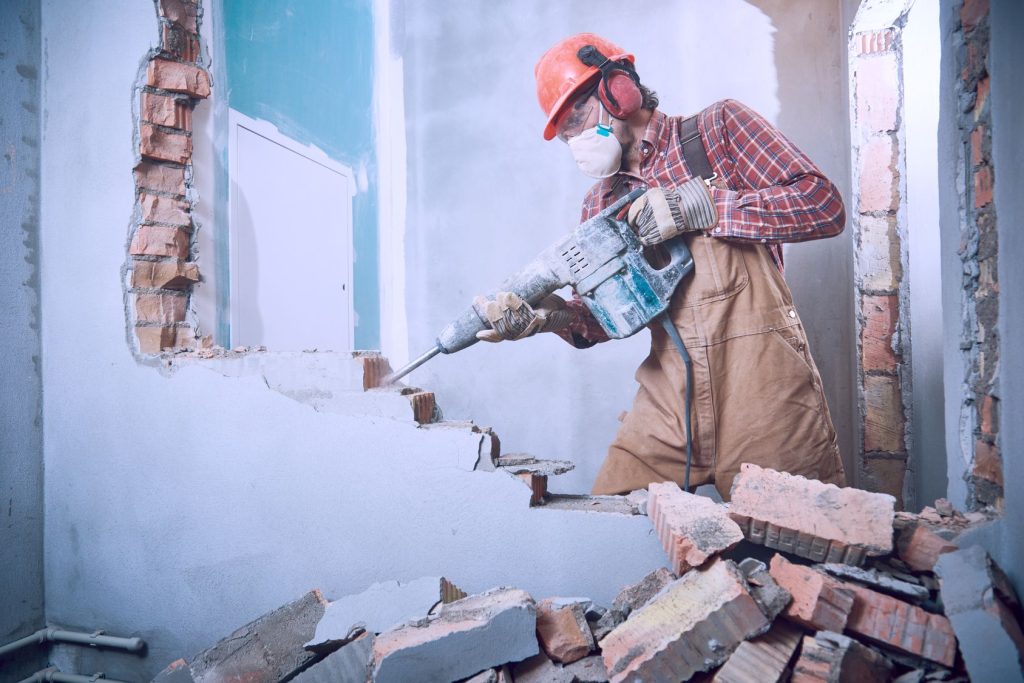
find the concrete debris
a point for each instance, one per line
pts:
(878, 580)
(767, 593)
(380, 607)
(621, 505)
(563, 631)
(639, 498)
(692, 625)
(834, 658)
(469, 635)
(980, 604)
(821, 522)
(540, 669)
(635, 596)
(820, 603)
(350, 663)
(522, 463)
(490, 676)
(763, 659)
(920, 547)
(692, 528)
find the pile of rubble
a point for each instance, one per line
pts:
(851, 591)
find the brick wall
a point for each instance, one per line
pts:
(979, 342)
(161, 269)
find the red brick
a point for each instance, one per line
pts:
(180, 12)
(878, 255)
(982, 187)
(158, 144)
(179, 43)
(875, 41)
(156, 240)
(908, 628)
(538, 484)
(988, 464)
(375, 369)
(166, 110)
(977, 138)
(883, 418)
(691, 528)
(157, 177)
(884, 475)
(423, 405)
(160, 308)
(820, 602)
(981, 97)
(880, 314)
(692, 625)
(920, 547)
(153, 340)
(157, 209)
(764, 659)
(164, 274)
(563, 631)
(834, 658)
(878, 175)
(190, 79)
(877, 84)
(821, 522)
(972, 13)
(989, 414)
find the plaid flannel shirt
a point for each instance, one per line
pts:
(774, 193)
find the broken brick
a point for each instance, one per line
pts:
(180, 12)
(375, 369)
(157, 209)
(820, 603)
(166, 110)
(160, 308)
(834, 658)
(763, 659)
(179, 43)
(635, 596)
(693, 625)
(164, 274)
(424, 406)
(156, 240)
(154, 339)
(156, 143)
(468, 636)
(538, 484)
(691, 528)
(821, 522)
(563, 631)
(160, 177)
(190, 79)
(920, 547)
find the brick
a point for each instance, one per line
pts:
(973, 13)
(164, 274)
(175, 672)
(158, 209)
(179, 43)
(468, 636)
(160, 308)
(763, 659)
(982, 187)
(157, 177)
(875, 41)
(820, 602)
(877, 83)
(155, 143)
(988, 464)
(900, 625)
(821, 522)
(348, 663)
(879, 313)
(189, 79)
(538, 484)
(878, 175)
(166, 110)
(981, 97)
(884, 475)
(153, 340)
(563, 631)
(157, 240)
(693, 625)
(879, 266)
(980, 605)
(834, 658)
(920, 547)
(691, 528)
(423, 406)
(180, 12)
(375, 369)
(977, 148)
(883, 414)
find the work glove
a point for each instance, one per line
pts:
(662, 213)
(512, 318)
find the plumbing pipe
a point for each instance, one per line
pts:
(54, 674)
(77, 637)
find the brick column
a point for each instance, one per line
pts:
(883, 318)
(160, 267)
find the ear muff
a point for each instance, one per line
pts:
(620, 95)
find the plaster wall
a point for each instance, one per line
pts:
(21, 432)
(486, 193)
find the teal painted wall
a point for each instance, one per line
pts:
(307, 67)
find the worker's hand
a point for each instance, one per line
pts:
(662, 213)
(512, 318)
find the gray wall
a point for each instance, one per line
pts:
(486, 192)
(21, 448)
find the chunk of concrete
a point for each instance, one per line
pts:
(522, 463)
(380, 607)
(820, 602)
(692, 625)
(636, 595)
(563, 631)
(468, 636)
(764, 659)
(821, 522)
(833, 658)
(692, 528)
(348, 664)
(767, 593)
(978, 601)
(877, 580)
(540, 669)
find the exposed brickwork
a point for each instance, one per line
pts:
(819, 602)
(160, 274)
(873, 41)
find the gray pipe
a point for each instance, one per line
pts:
(54, 674)
(78, 638)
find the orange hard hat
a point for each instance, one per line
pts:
(561, 74)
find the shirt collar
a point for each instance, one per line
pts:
(655, 129)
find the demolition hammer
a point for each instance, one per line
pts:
(603, 261)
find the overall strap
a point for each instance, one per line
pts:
(693, 150)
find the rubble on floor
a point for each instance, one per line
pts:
(920, 609)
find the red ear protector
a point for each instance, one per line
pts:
(619, 87)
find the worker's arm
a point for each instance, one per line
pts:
(784, 197)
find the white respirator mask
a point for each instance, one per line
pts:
(597, 152)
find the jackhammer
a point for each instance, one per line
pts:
(603, 261)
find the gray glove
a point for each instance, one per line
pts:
(660, 214)
(511, 318)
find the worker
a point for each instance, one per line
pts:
(757, 394)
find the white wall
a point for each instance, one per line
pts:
(486, 192)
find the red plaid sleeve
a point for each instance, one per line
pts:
(783, 195)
